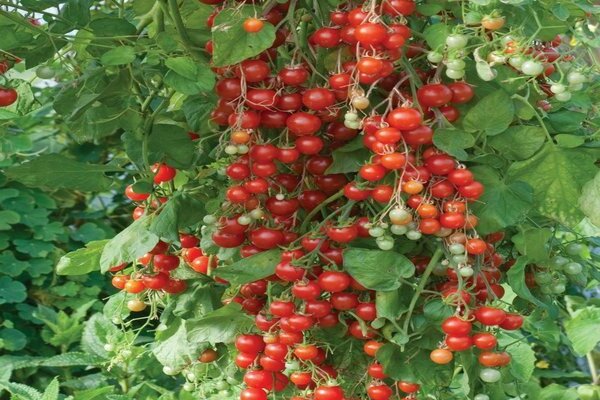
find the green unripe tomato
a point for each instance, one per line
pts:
(222, 385)
(209, 219)
(481, 396)
(456, 248)
(456, 41)
(574, 249)
(455, 73)
(573, 268)
(45, 72)
(490, 375)
(557, 262)
(188, 387)
(564, 96)
(558, 288)
(434, 57)
(414, 235)
(398, 229)
(473, 18)
(376, 232)
(385, 242)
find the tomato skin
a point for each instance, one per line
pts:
(461, 92)
(254, 71)
(355, 330)
(227, 240)
(333, 281)
(253, 394)
(489, 316)
(434, 95)
(265, 238)
(458, 343)
(119, 281)
(208, 356)
(379, 392)
(326, 37)
(134, 286)
(512, 322)
(472, 190)
(408, 387)
(484, 341)
(328, 393)
(251, 344)
(282, 308)
(404, 119)
(7, 96)
(441, 356)
(342, 234)
(491, 359)
(399, 7)
(372, 172)
(370, 347)
(476, 246)
(456, 326)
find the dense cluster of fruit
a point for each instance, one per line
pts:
(281, 125)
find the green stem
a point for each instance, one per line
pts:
(181, 30)
(316, 210)
(537, 116)
(437, 255)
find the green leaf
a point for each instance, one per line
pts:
(516, 280)
(187, 78)
(130, 244)
(171, 144)
(589, 201)
(435, 35)
(11, 266)
(349, 158)
(184, 66)
(118, 56)
(88, 232)
(522, 355)
(231, 43)
(557, 176)
(8, 218)
(54, 171)
(220, 326)
(172, 347)
(12, 339)
(501, 204)
(97, 332)
(569, 141)
(492, 114)
(392, 304)
(51, 392)
(582, 330)
(94, 394)
(566, 120)
(11, 291)
(81, 261)
(181, 211)
(395, 362)
(543, 327)
(250, 269)
(453, 142)
(519, 142)
(377, 269)
(71, 359)
(557, 392)
(532, 241)
(22, 392)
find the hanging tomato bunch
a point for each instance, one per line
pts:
(332, 143)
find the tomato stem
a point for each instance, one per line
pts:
(437, 255)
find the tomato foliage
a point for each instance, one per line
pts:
(330, 200)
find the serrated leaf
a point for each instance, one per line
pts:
(532, 242)
(97, 332)
(231, 43)
(492, 114)
(557, 176)
(250, 269)
(55, 171)
(377, 269)
(51, 392)
(582, 329)
(453, 142)
(172, 145)
(130, 244)
(23, 392)
(71, 359)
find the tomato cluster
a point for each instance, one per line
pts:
(283, 134)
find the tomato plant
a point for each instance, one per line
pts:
(360, 200)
